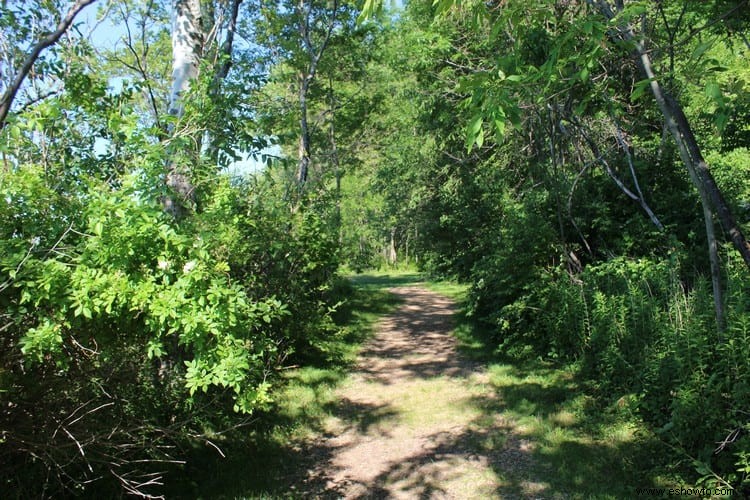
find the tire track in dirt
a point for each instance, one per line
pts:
(410, 422)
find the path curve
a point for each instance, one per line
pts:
(409, 423)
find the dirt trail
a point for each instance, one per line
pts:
(410, 422)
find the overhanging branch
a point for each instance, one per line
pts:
(7, 100)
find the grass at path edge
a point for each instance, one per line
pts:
(265, 459)
(586, 445)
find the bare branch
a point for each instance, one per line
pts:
(225, 53)
(712, 22)
(7, 99)
(133, 488)
(613, 175)
(140, 68)
(641, 199)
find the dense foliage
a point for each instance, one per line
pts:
(550, 153)
(546, 177)
(128, 334)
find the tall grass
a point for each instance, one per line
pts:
(640, 333)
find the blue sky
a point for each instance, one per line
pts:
(106, 35)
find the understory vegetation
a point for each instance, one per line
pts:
(184, 186)
(575, 216)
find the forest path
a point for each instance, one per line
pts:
(411, 420)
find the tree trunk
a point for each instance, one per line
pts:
(391, 254)
(187, 45)
(712, 199)
(406, 248)
(225, 52)
(334, 155)
(713, 256)
(687, 145)
(306, 77)
(303, 166)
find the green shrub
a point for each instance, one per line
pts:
(634, 326)
(127, 335)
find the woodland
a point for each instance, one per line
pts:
(182, 201)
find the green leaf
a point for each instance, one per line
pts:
(442, 6)
(701, 468)
(369, 9)
(713, 90)
(473, 131)
(639, 88)
(634, 9)
(476, 124)
(500, 127)
(721, 120)
(154, 349)
(700, 50)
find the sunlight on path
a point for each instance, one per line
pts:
(410, 421)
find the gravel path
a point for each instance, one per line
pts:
(411, 424)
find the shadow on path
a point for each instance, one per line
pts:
(407, 425)
(416, 419)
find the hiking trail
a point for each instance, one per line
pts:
(410, 421)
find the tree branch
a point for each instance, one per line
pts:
(45, 42)
(140, 68)
(613, 175)
(225, 53)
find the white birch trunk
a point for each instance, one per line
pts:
(187, 45)
(186, 50)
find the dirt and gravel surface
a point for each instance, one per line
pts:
(411, 422)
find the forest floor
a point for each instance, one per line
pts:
(409, 422)
(414, 401)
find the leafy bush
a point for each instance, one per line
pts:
(634, 327)
(126, 333)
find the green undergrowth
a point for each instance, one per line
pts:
(585, 443)
(268, 457)
(585, 446)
